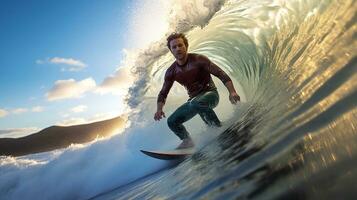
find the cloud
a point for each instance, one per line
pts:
(3, 113)
(37, 109)
(67, 61)
(40, 62)
(98, 117)
(76, 65)
(20, 110)
(71, 63)
(78, 109)
(69, 89)
(72, 121)
(17, 132)
(103, 116)
(119, 82)
(32, 98)
(65, 115)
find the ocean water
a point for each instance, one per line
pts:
(293, 136)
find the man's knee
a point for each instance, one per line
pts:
(174, 121)
(176, 126)
(210, 118)
(171, 122)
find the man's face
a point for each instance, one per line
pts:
(178, 48)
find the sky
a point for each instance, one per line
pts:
(57, 61)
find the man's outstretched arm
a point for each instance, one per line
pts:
(161, 99)
(233, 96)
(218, 72)
(159, 113)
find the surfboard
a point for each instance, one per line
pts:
(169, 155)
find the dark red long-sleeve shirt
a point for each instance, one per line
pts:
(194, 75)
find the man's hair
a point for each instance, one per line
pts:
(175, 36)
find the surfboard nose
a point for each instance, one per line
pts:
(169, 155)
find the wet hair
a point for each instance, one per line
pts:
(175, 36)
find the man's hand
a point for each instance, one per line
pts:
(234, 97)
(158, 115)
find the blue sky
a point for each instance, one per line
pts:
(50, 47)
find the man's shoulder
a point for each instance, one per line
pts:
(171, 70)
(195, 57)
(172, 67)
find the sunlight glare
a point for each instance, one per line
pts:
(149, 24)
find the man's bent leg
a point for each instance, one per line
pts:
(210, 118)
(176, 120)
(204, 105)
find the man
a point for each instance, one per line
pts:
(193, 71)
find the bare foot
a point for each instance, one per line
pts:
(186, 143)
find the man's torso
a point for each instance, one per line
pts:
(192, 75)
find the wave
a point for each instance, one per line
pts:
(294, 64)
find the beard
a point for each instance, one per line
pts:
(180, 56)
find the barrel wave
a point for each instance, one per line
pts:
(294, 134)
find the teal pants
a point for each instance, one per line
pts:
(203, 105)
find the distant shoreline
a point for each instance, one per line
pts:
(57, 137)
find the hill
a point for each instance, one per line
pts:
(56, 137)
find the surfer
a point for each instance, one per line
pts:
(193, 71)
